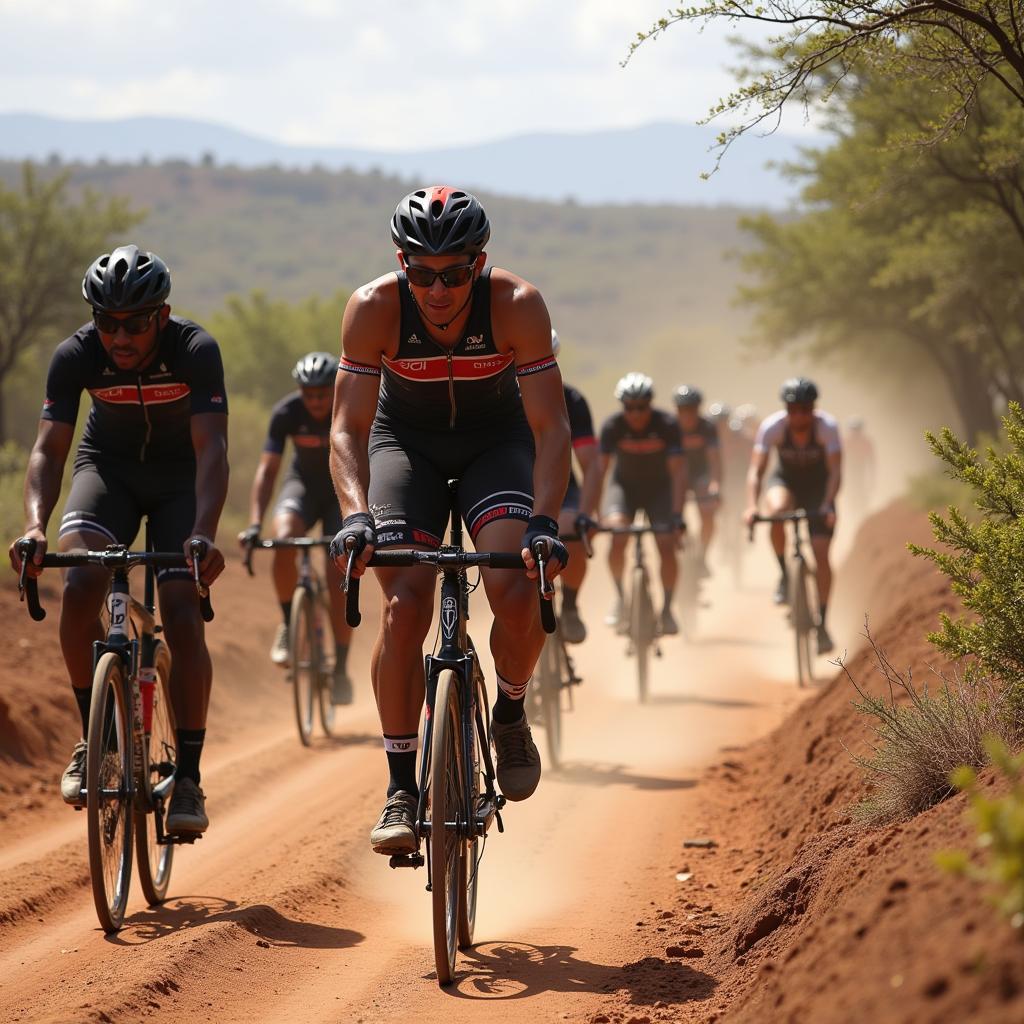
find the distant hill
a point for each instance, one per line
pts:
(656, 163)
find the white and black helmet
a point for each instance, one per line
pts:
(687, 396)
(798, 389)
(316, 370)
(634, 385)
(125, 280)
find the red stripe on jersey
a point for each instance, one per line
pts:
(642, 445)
(152, 394)
(435, 368)
(310, 441)
(583, 442)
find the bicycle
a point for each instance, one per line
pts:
(641, 624)
(458, 801)
(801, 615)
(130, 761)
(310, 656)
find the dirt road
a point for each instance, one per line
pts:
(282, 912)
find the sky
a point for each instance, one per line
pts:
(399, 75)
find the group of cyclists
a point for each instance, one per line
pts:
(448, 371)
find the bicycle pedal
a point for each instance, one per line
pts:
(406, 860)
(178, 840)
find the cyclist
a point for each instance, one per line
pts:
(155, 444)
(306, 497)
(447, 373)
(579, 501)
(807, 476)
(703, 461)
(650, 474)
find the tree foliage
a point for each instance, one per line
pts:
(47, 239)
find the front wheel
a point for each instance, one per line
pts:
(469, 866)
(803, 622)
(325, 675)
(447, 819)
(304, 661)
(641, 629)
(551, 697)
(108, 806)
(154, 859)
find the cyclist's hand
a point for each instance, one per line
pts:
(827, 513)
(249, 536)
(544, 529)
(585, 525)
(679, 531)
(358, 533)
(35, 567)
(211, 565)
(750, 515)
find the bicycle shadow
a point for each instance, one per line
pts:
(355, 739)
(596, 773)
(711, 702)
(519, 970)
(260, 919)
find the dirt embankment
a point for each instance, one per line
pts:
(799, 913)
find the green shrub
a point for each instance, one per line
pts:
(1000, 823)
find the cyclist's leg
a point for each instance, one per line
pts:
(619, 511)
(658, 506)
(707, 505)
(821, 542)
(779, 498)
(573, 630)
(292, 518)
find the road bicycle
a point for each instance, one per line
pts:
(310, 655)
(130, 762)
(458, 802)
(803, 615)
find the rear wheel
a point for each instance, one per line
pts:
(551, 697)
(154, 860)
(108, 804)
(304, 660)
(641, 629)
(325, 675)
(447, 818)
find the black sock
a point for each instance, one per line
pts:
(340, 655)
(821, 621)
(568, 598)
(402, 763)
(190, 747)
(668, 596)
(782, 565)
(510, 705)
(286, 611)
(83, 698)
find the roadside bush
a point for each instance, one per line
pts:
(1000, 823)
(922, 736)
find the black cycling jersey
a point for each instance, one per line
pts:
(431, 386)
(641, 457)
(141, 416)
(696, 444)
(311, 438)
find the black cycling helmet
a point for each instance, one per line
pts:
(634, 385)
(440, 221)
(125, 280)
(316, 370)
(798, 389)
(687, 396)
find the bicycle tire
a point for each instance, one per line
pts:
(446, 844)
(108, 768)
(469, 865)
(303, 660)
(641, 624)
(550, 698)
(154, 861)
(800, 610)
(324, 703)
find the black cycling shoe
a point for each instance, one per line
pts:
(395, 831)
(187, 812)
(825, 645)
(74, 777)
(781, 595)
(341, 687)
(517, 759)
(571, 625)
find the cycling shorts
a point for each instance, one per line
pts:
(312, 503)
(410, 468)
(628, 499)
(807, 495)
(699, 490)
(110, 497)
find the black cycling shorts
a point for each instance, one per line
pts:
(312, 503)
(110, 497)
(627, 499)
(807, 495)
(410, 469)
(571, 501)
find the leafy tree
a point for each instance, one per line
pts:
(47, 239)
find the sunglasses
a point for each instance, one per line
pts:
(452, 277)
(137, 324)
(800, 407)
(636, 406)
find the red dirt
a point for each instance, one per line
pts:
(800, 914)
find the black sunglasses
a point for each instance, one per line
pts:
(636, 406)
(137, 324)
(451, 277)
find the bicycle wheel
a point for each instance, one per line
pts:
(469, 861)
(304, 661)
(154, 861)
(800, 610)
(641, 629)
(108, 807)
(324, 678)
(447, 817)
(550, 687)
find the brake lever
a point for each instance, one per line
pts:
(28, 587)
(583, 529)
(250, 546)
(197, 549)
(350, 584)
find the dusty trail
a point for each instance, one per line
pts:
(282, 913)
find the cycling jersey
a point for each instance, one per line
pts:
(799, 466)
(581, 433)
(311, 438)
(696, 444)
(144, 415)
(641, 457)
(429, 385)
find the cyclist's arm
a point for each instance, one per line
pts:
(42, 483)
(592, 465)
(835, 476)
(210, 441)
(263, 486)
(755, 477)
(715, 467)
